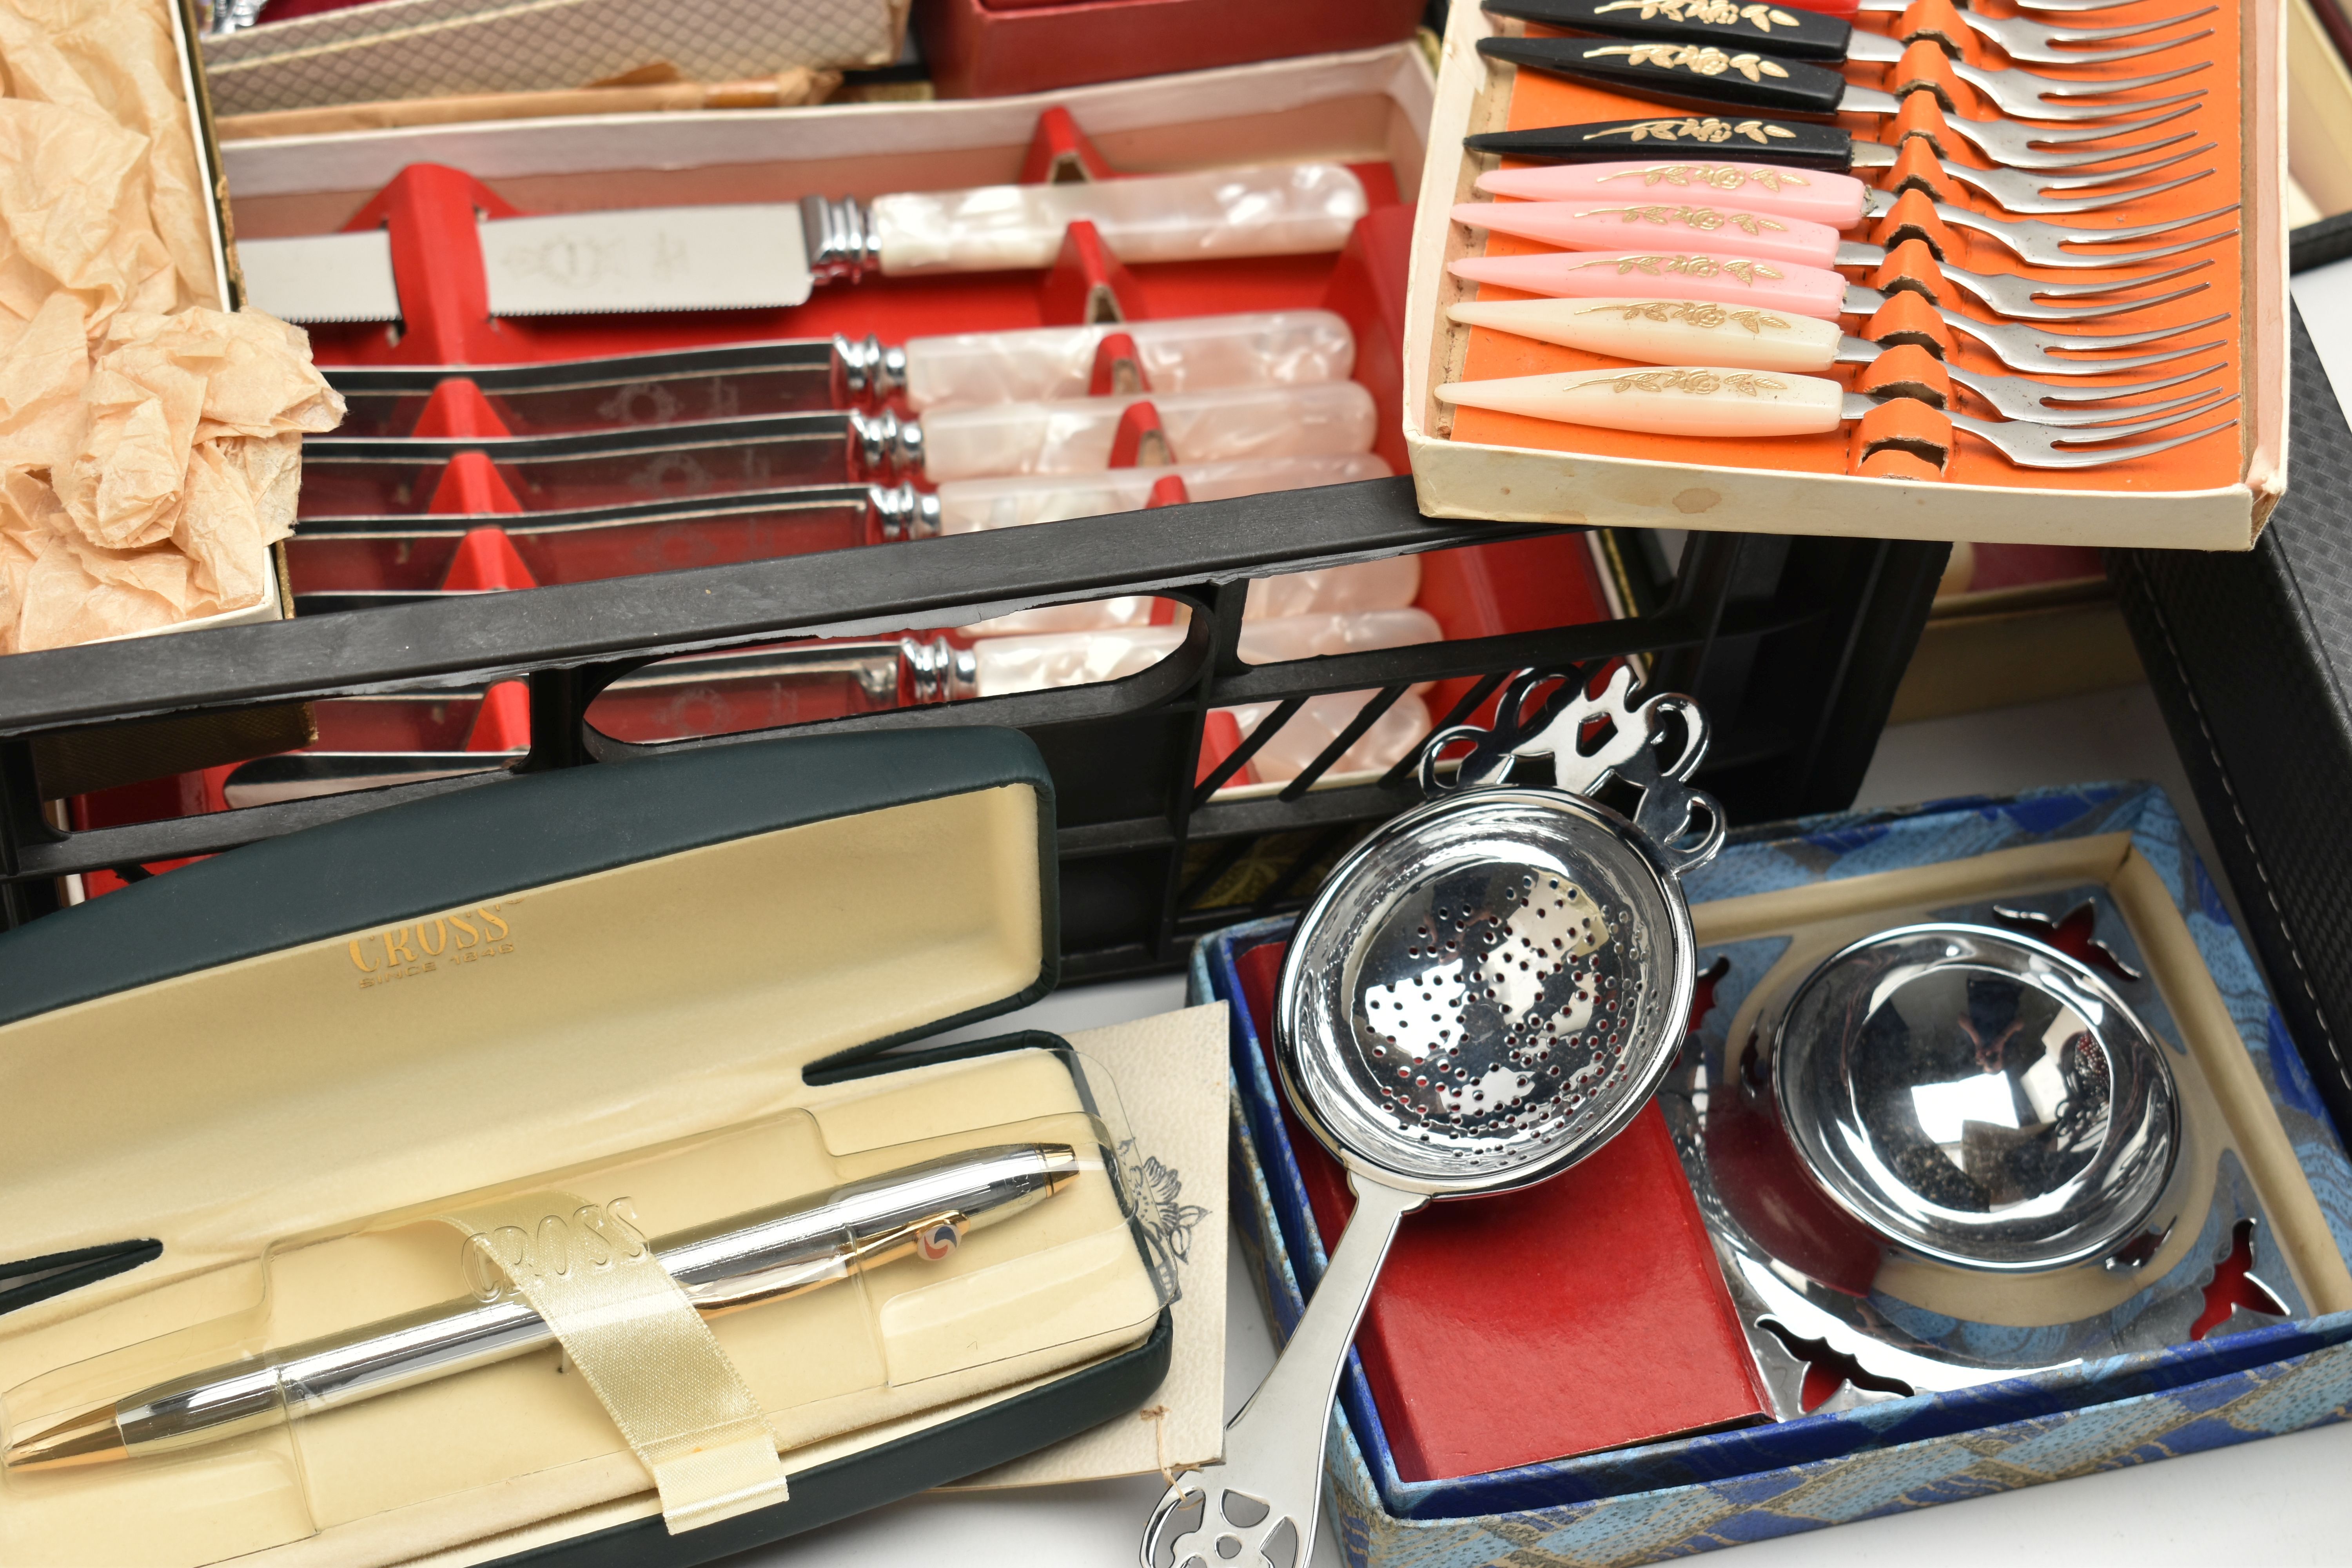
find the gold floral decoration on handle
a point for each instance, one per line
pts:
(1695, 383)
(1716, 176)
(1691, 313)
(1703, 60)
(1705, 219)
(1718, 13)
(1747, 272)
(1693, 129)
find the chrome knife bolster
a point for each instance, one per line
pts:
(867, 372)
(881, 443)
(938, 671)
(902, 512)
(842, 242)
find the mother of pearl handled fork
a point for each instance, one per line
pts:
(1840, 201)
(1709, 76)
(2019, 186)
(1718, 401)
(1801, 34)
(1754, 229)
(1693, 332)
(1807, 291)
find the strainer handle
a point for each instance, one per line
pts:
(1267, 1493)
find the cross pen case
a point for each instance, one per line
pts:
(512, 1176)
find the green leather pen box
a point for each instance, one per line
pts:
(552, 973)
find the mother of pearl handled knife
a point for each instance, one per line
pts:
(730, 381)
(758, 256)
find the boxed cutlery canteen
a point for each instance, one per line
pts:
(515, 1172)
(1916, 272)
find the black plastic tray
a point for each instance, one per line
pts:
(1795, 645)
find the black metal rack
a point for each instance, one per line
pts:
(1794, 645)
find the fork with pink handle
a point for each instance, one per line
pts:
(1755, 231)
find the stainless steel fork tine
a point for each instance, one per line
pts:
(2062, 207)
(2017, 398)
(2044, 244)
(2018, 297)
(2020, 349)
(2008, 141)
(2031, 447)
(2029, 38)
(2092, 342)
(2049, 289)
(2088, 178)
(2074, 87)
(1994, 390)
(2028, 97)
(2083, 435)
(2048, 392)
(2019, 41)
(2033, 163)
(2076, 8)
(2057, 135)
(2090, 34)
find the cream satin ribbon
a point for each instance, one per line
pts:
(651, 1360)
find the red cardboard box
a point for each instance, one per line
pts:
(1582, 1314)
(987, 49)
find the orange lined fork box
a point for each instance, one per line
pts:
(2214, 493)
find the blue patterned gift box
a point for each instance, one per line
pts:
(1691, 1494)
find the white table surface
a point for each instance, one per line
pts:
(2272, 1502)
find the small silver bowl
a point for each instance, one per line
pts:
(1977, 1096)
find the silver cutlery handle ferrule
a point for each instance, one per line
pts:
(843, 245)
(882, 443)
(866, 372)
(905, 512)
(938, 670)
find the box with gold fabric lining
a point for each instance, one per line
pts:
(314, 1085)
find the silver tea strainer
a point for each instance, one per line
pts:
(1488, 988)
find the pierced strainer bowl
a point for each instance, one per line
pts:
(1492, 993)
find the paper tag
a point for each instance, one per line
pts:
(591, 1275)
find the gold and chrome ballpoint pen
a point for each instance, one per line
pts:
(924, 1209)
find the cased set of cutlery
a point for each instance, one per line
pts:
(1724, 258)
